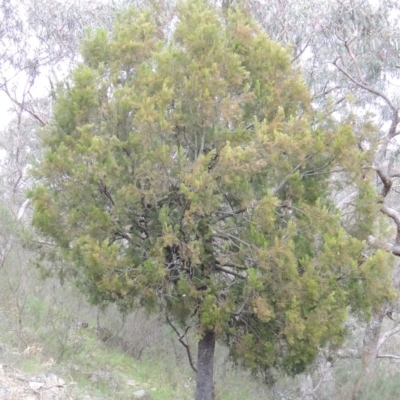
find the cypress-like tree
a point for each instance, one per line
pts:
(185, 172)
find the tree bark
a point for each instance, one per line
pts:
(205, 367)
(369, 351)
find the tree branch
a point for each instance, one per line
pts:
(326, 91)
(393, 214)
(22, 106)
(389, 247)
(347, 44)
(387, 182)
(309, 40)
(295, 169)
(391, 356)
(386, 336)
(180, 338)
(230, 214)
(218, 268)
(363, 86)
(22, 209)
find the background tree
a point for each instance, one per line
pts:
(187, 174)
(39, 42)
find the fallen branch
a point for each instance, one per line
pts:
(390, 356)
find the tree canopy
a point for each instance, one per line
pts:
(186, 172)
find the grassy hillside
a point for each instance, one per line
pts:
(48, 328)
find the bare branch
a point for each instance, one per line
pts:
(326, 91)
(386, 336)
(218, 268)
(366, 87)
(391, 213)
(347, 44)
(230, 214)
(180, 338)
(309, 40)
(395, 216)
(387, 183)
(23, 107)
(22, 209)
(391, 356)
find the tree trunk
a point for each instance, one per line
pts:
(205, 367)
(369, 351)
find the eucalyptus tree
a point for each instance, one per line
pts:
(185, 172)
(39, 42)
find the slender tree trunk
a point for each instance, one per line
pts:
(369, 351)
(205, 367)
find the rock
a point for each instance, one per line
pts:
(95, 377)
(16, 385)
(81, 324)
(141, 394)
(36, 385)
(50, 380)
(100, 375)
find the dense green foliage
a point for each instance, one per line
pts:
(184, 172)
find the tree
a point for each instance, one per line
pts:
(186, 172)
(39, 42)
